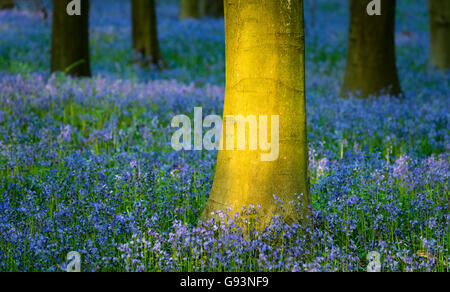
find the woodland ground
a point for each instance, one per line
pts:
(86, 165)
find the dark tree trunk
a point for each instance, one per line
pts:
(6, 4)
(70, 40)
(145, 33)
(440, 34)
(189, 9)
(212, 8)
(371, 61)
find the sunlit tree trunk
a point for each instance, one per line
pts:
(189, 9)
(145, 33)
(371, 61)
(265, 51)
(6, 4)
(440, 34)
(70, 40)
(212, 8)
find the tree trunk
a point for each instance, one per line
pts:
(145, 33)
(212, 8)
(371, 64)
(6, 4)
(440, 34)
(70, 40)
(265, 77)
(189, 9)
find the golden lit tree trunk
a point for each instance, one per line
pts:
(265, 65)
(212, 8)
(70, 40)
(189, 9)
(145, 33)
(371, 61)
(6, 4)
(440, 34)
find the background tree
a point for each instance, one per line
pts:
(265, 76)
(211, 8)
(6, 4)
(41, 6)
(70, 40)
(440, 33)
(371, 61)
(189, 9)
(145, 32)
(312, 12)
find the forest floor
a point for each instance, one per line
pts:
(87, 165)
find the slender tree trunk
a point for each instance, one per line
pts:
(440, 34)
(189, 9)
(6, 4)
(70, 40)
(212, 8)
(145, 33)
(371, 61)
(265, 77)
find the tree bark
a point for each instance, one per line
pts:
(212, 8)
(440, 34)
(70, 40)
(265, 59)
(145, 32)
(371, 60)
(189, 9)
(6, 4)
